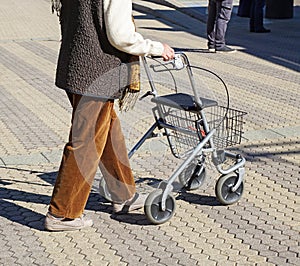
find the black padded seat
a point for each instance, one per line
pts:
(184, 101)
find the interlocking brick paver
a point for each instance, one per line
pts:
(293, 261)
(41, 260)
(168, 261)
(149, 260)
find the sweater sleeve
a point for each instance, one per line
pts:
(121, 30)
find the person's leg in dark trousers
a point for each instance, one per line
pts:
(211, 22)
(92, 137)
(257, 16)
(225, 10)
(220, 15)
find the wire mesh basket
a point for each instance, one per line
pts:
(228, 123)
(183, 133)
(186, 128)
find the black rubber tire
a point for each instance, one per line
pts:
(223, 190)
(153, 210)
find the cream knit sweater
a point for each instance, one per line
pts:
(121, 30)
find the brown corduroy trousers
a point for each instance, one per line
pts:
(95, 139)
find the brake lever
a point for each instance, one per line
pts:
(148, 93)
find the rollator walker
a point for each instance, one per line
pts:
(194, 127)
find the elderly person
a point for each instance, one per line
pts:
(96, 53)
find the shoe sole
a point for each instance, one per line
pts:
(63, 228)
(59, 227)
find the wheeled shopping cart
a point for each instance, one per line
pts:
(194, 127)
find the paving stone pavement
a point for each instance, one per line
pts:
(263, 80)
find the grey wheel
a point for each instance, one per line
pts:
(193, 176)
(224, 191)
(153, 207)
(103, 190)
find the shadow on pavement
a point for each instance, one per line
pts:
(279, 47)
(20, 214)
(198, 199)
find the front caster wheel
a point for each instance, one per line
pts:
(224, 191)
(153, 207)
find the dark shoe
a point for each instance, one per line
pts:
(135, 203)
(225, 49)
(53, 223)
(262, 30)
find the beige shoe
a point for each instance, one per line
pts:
(61, 224)
(135, 203)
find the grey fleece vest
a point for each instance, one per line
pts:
(88, 64)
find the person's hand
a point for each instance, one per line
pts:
(168, 53)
